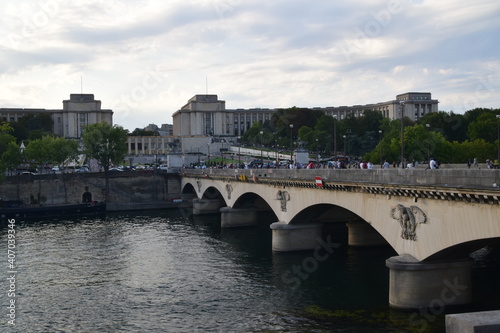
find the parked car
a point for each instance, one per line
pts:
(83, 169)
(163, 167)
(56, 168)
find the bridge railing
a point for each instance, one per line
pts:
(457, 178)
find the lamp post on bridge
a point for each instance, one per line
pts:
(335, 135)
(428, 126)
(380, 146)
(291, 144)
(208, 154)
(498, 142)
(261, 148)
(345, 152)
(402, 104)
(239, 151)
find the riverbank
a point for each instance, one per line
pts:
(128, 190)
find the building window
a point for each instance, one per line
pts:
(208, 124)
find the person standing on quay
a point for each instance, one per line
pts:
(87, 196)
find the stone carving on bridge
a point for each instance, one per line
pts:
(198, 182)
(284, 197)
(229, 189)
(408, 218)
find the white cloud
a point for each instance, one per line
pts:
(146, 59)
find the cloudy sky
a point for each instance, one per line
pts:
(145, 59)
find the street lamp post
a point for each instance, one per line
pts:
(261, 148)
(239, 151)
(402, 103)
(208, 154)
(428, 126)
(335, 135)
(291, 144)
(317, 151)
(347, 137)
(380, 146)
(498, 142)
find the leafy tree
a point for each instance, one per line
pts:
(452, 126)
(33, 127)
(143, 132)
(468, 150)
(62, 150)
(107, 144)
(39, 151)
(252, 135)
(11, 157)
(484, 127)
(5, 136)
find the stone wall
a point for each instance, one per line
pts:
(68, 188)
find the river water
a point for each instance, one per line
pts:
(162, 272)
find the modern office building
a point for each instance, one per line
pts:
(77, 112)
(207, 115)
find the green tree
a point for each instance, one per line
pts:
(484, 127)
(11, 157)
(5, 136)
(106, 144)
(252, 135)
(62, 150)
(39, 151)
(33, 127)
(468, 150)
(143, 132)
(452, 126)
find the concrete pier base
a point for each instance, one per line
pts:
(238, 217)
(414, 284)
(290, 237)
(473, 322)
(363, 234)
(206, 206)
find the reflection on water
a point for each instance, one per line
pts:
(161, 272)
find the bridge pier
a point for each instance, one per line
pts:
(414, 284)
(238, 217)
(295, 237)
(206, 206)
(360, 233)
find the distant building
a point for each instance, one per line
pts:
(152, 128)
(167, 129)
(207, 115)
(77, 112)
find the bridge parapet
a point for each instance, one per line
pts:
(458, 178)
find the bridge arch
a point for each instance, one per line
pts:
(324, 213)
(212, 193)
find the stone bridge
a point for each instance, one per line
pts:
(433, 219)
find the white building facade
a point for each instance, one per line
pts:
(207, 115)
(77, 112)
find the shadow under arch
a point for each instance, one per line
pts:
(188, 189)
(255, 201)
(324, 213)
(212, 193)
(463, 250)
